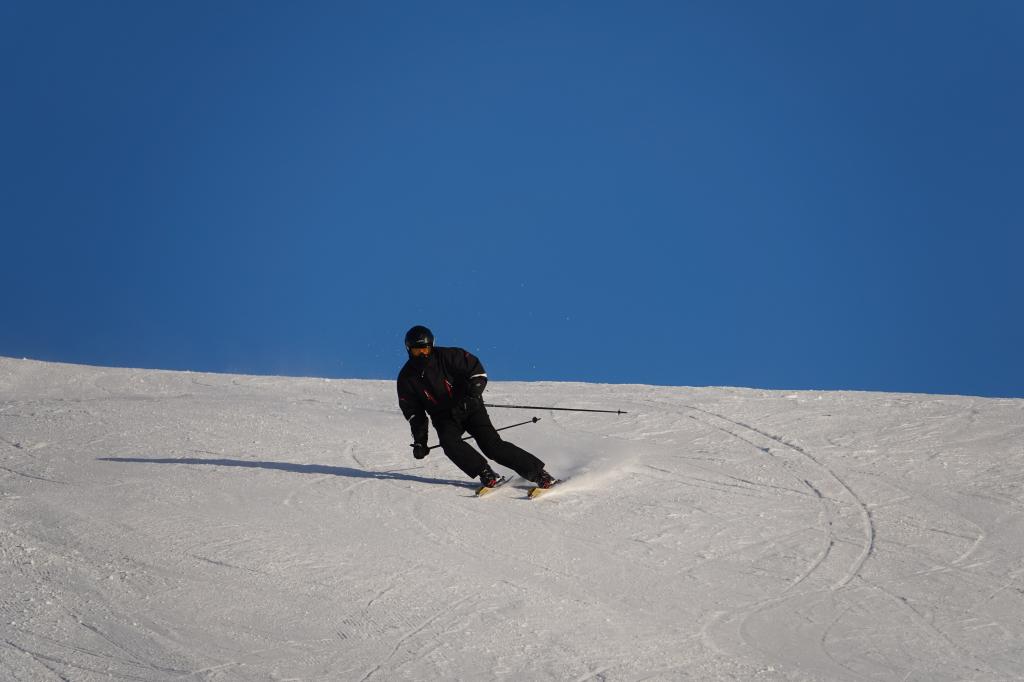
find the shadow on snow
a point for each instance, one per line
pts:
(347, 472)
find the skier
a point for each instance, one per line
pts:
(448, 384)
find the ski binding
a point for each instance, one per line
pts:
(537, 491)
(484, 490)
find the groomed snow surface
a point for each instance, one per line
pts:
(168, 526)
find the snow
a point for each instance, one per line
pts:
(174, 525)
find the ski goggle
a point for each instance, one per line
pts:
(423, 351)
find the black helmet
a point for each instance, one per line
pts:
(419, 337)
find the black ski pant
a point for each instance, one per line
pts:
(478, 424)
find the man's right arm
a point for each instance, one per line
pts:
(414, 414)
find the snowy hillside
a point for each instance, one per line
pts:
(168, 526)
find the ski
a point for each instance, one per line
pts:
(485, 490)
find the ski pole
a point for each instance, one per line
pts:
(564, 409)
(531, 421)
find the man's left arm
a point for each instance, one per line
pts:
(475, 378)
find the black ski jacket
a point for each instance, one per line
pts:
(449, 375)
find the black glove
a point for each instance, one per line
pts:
(420, 450)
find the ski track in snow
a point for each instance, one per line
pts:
(169, 526)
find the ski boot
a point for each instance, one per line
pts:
(544, 480)
(488, 479)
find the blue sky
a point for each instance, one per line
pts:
(780, 195)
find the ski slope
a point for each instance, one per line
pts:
(184, 526)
